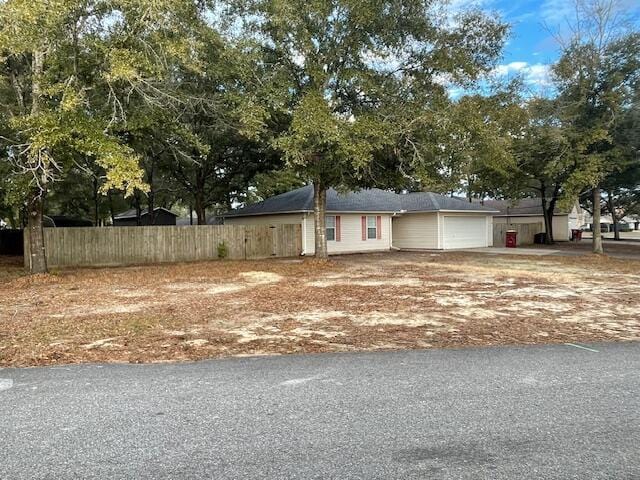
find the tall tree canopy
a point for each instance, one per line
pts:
(360, 79)
(597, 76)
(69, 70)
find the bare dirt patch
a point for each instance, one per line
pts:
(376, 301)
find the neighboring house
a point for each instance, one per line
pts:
(529, 210)
(129, 218)
(630, 222)
(376, 220)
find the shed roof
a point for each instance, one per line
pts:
(132, 213)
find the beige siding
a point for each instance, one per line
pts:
(561, 228)
(351, 235)
(416, 230)
(560, 224)
(351, 231)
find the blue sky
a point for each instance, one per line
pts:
(531, 47)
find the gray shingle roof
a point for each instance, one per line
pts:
(369, 200)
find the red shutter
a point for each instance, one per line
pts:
(364, 228)
(379, 227)
(338, 231)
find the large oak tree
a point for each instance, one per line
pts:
(359, 78)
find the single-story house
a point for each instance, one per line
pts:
(376, 220)
(529, 210)
(130, 218)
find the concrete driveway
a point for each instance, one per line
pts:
(496, 413)
(512, 251)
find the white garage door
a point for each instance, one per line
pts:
(464, 232)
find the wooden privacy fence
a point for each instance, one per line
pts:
(107, 246)
(526, 232)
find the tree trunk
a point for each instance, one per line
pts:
(151, 196)
(136, 200)
(547, 222)
(597, 234)
(38, 258)
(201, 211)
(612, 209)
(35, 204)
(96, 202)
(151, 207)
(550, 211)
(190, 215)
(319, 214)
(199, 196)
(111, 208)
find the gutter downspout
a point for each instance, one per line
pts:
(304, 234)
(394, 214)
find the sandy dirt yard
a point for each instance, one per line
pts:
(357, 302)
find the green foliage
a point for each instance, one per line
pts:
(223, 250)
(269, 184)
(597, 76)
(360, 78)
(472, 143)
(100, 61)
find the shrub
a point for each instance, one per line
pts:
(223, 251)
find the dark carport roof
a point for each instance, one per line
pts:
(368, 200)
(132, 213)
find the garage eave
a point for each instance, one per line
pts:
(486, 212)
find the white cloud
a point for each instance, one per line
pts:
(510, 68)
(461, 5)
(535, 76)
(555, 12)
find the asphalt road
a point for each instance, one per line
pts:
(531, 412)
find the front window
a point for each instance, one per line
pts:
(372, 228)
(330, 223)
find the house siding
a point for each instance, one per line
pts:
(561, 231)
(350, 231)
(416, 230)
(351, 235)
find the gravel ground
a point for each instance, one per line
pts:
(358, 302)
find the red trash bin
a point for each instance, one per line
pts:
(576, 234)
(512, 239)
